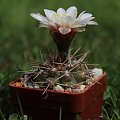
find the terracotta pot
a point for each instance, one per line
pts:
(87, 104)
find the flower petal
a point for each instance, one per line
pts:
(77, 25)
(39, 17)
(64, 30)
(53, 25)
(80, 29)
(67, 21)
(72, 11)
(92, 23)
(42, 25)
(64, 21)
(81, 14)
(58, 88)
(86, 21)
(61, 11)
(50, 25)
(49, 14)
(85, 18)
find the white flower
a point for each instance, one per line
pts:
(97, 72)
(64, 20)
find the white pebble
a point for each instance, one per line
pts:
(58, 88)
(36, 86)
(82, 87)
(97, 72)
(88, 81)
(69, 90)
(76, 90)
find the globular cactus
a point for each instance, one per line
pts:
(70, 75)
(62, 72)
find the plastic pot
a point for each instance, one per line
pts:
(87, 104)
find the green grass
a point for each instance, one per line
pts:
(20, 41)
(111, 109)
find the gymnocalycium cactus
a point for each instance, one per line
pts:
(62, 72)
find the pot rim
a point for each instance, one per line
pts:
(52, 91)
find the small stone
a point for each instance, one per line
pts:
(88, 81)
(82, 87)
(58, 88)
(36, 86)
(68, 90)
(76, 90)
(30, 85)
(97, 72)
(18, 84)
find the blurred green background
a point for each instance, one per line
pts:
(20, 40)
